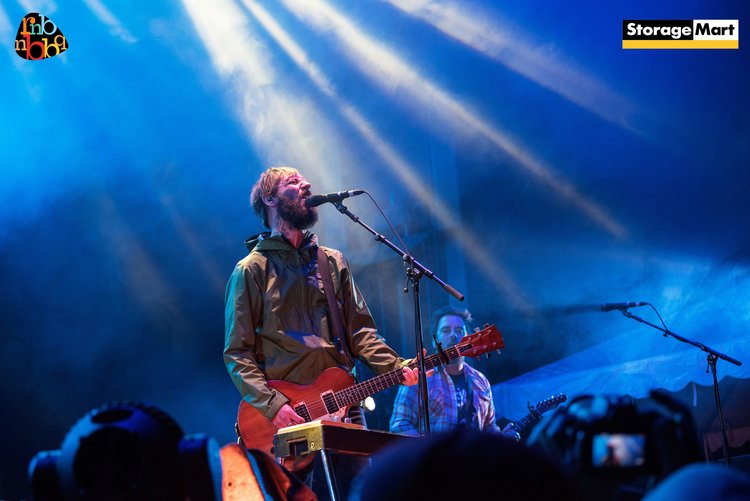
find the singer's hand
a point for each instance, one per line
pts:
(411, 376)
(286, 417)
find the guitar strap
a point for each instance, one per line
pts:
(339, 335)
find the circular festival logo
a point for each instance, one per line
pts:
(39, 38)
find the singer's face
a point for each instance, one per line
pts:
(291, 196)
(450, 330)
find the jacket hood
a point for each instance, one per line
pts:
(265, 242)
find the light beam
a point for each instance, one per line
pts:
(390, 72)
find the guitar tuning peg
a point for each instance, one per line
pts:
(489, 354)
(486, 325)
(476, 329)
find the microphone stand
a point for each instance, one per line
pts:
(414, 272)
(712, 357)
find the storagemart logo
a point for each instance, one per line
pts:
(39, 38)
(681, 34)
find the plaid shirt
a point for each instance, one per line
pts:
(443, 406)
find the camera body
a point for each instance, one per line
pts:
(617, 437)
(128, 451)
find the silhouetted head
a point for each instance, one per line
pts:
(462, 464)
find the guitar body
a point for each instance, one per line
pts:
(257, 431)
(334, 392)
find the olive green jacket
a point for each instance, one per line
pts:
(277, 324)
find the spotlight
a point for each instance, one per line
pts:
(369, 404)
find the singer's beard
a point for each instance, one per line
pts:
(297, 215)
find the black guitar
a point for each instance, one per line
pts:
(535, 413)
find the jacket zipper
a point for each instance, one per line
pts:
(304, 295)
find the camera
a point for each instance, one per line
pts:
(618, 450)
(619, 437)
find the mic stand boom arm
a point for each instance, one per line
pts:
(415, 271)
(698, 345)
(712, 357)
(420, 268)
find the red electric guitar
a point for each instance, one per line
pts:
(334, 391)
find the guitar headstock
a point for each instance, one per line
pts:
(481, 342)
(549, 403)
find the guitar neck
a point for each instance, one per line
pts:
(360, 391)
(531, 418)
(535, 412)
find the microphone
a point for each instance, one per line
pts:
(621, 306)
(315, 200)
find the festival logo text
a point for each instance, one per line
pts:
(39, 38)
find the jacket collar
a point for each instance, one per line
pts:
(265, 242)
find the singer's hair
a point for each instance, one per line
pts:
(267, 186)
(445, 311)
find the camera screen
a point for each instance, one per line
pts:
(618, 450)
